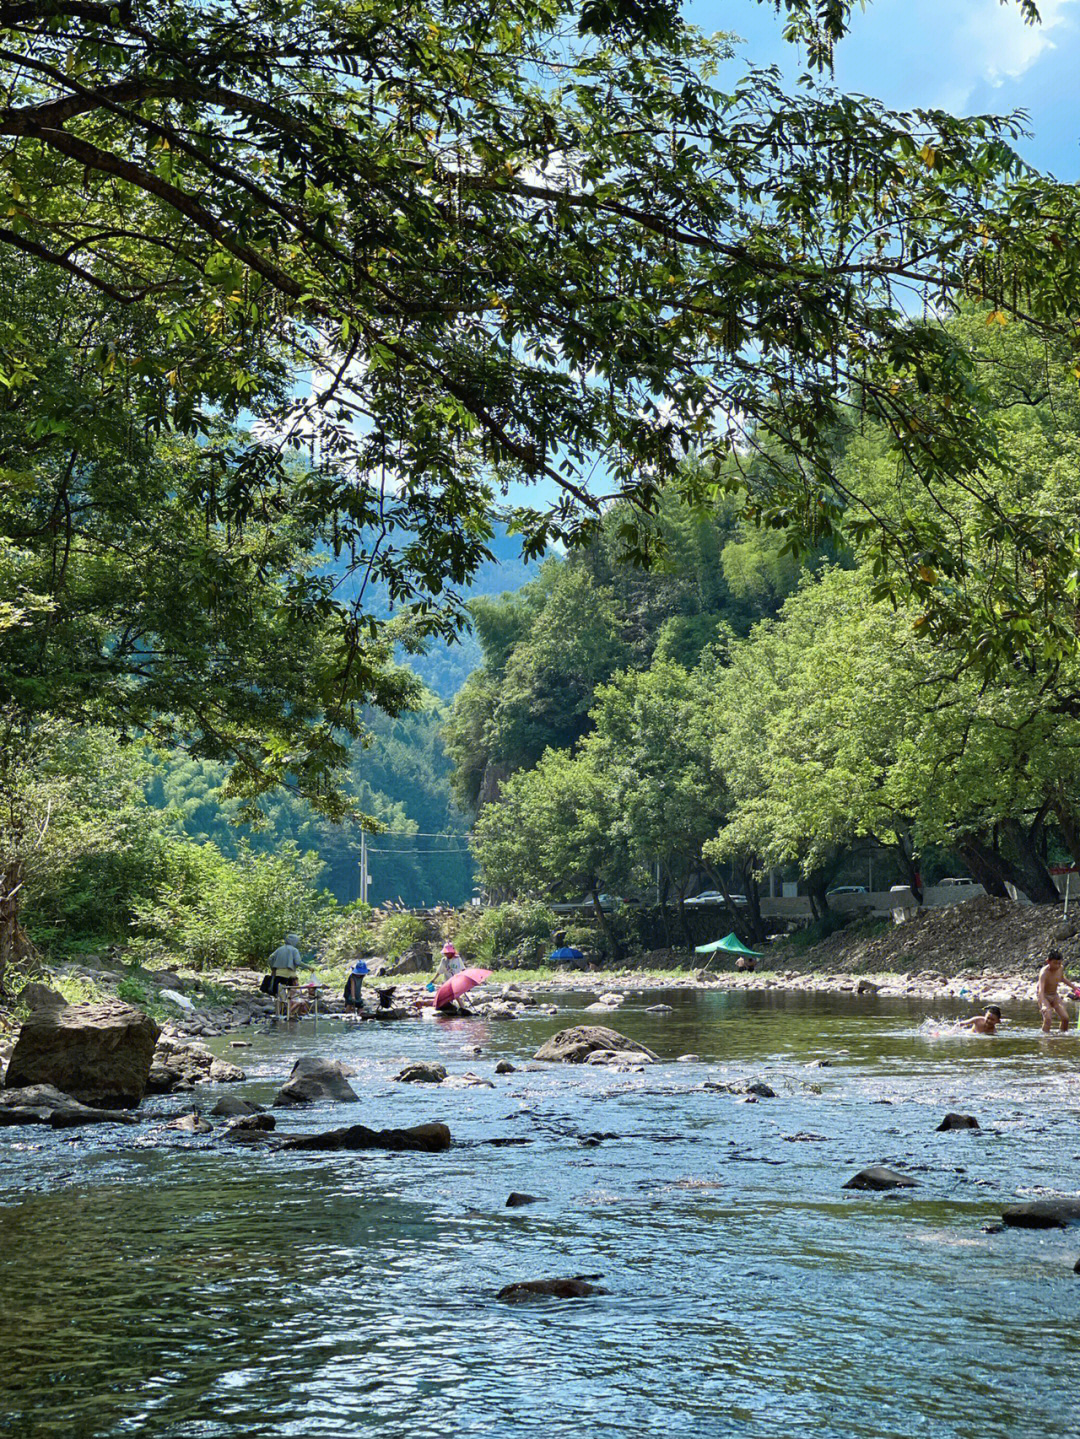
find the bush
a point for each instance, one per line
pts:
(217, 911)
(514, 935)
(349, 935)
(397, 933)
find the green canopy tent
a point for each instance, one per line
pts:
(730, 944)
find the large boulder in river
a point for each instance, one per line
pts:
(1043, 1214)
(313, 1080)
(100, 1054)
(574, 1045)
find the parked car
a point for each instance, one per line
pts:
(707, 896)
(959, 881)
(846, 889)
(607, 901)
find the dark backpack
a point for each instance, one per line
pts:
(266, 985)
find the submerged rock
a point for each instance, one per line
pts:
(428, 1138)
(421, 1073)
(312, 1080)
(1043, 1214)
(229, 1106)
(578, 1287)
(958, 1121)
(879, 1177)
(517, 1200)
(99, 1054)
(574, 1045)
(45, 1104)
(505, 1067)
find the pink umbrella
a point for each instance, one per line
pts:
(459, 984)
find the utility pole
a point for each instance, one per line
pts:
(363, 867)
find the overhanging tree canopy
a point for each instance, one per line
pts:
(504, 246)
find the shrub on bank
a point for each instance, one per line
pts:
(397, 932)
(214, 911)
(515, 935)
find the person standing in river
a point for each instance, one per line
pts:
(1046, 991)
(284, 963)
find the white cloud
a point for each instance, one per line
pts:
(999, 44)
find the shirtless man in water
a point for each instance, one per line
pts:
(984, 1023)
(1046, 991)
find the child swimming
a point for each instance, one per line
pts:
(983, 1023)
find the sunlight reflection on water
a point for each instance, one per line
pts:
(194, 1290)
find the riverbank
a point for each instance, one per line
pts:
(985, 950)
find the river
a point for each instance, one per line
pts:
(173, 1286)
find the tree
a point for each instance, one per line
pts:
(494, 247)
(75, 835)
(653, 746)
(550, 835)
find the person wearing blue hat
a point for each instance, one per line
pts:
(353, 998)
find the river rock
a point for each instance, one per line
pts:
(517, 1200)
(578, 1287)
(499, 1011)
(100, 1054)
(230, 1106)
(467, 1081)
(45, 1104)
(688, 1059)
(313, 1080)
(760, 1090)
(958, 1121)
(574, 1045)
(388, 1014)
(421, 1073)
(865, 986)
(879, 1177)
(505, 1067)
(163, 1079)
(222, 1072)
(600, 1008)
(1043, 1214)
(427, 1138)
(659, 1009)
(612, 999)
(191, 1124)
(40, 996)
(251, 1123)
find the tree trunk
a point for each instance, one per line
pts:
(819, 900)
(1035, 879)
(1068, 828)
(755, 924)
(985, 864)
(15, 948)
(604, 922)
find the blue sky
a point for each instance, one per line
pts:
(966, 56)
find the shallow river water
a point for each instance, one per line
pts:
(182, 1287)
